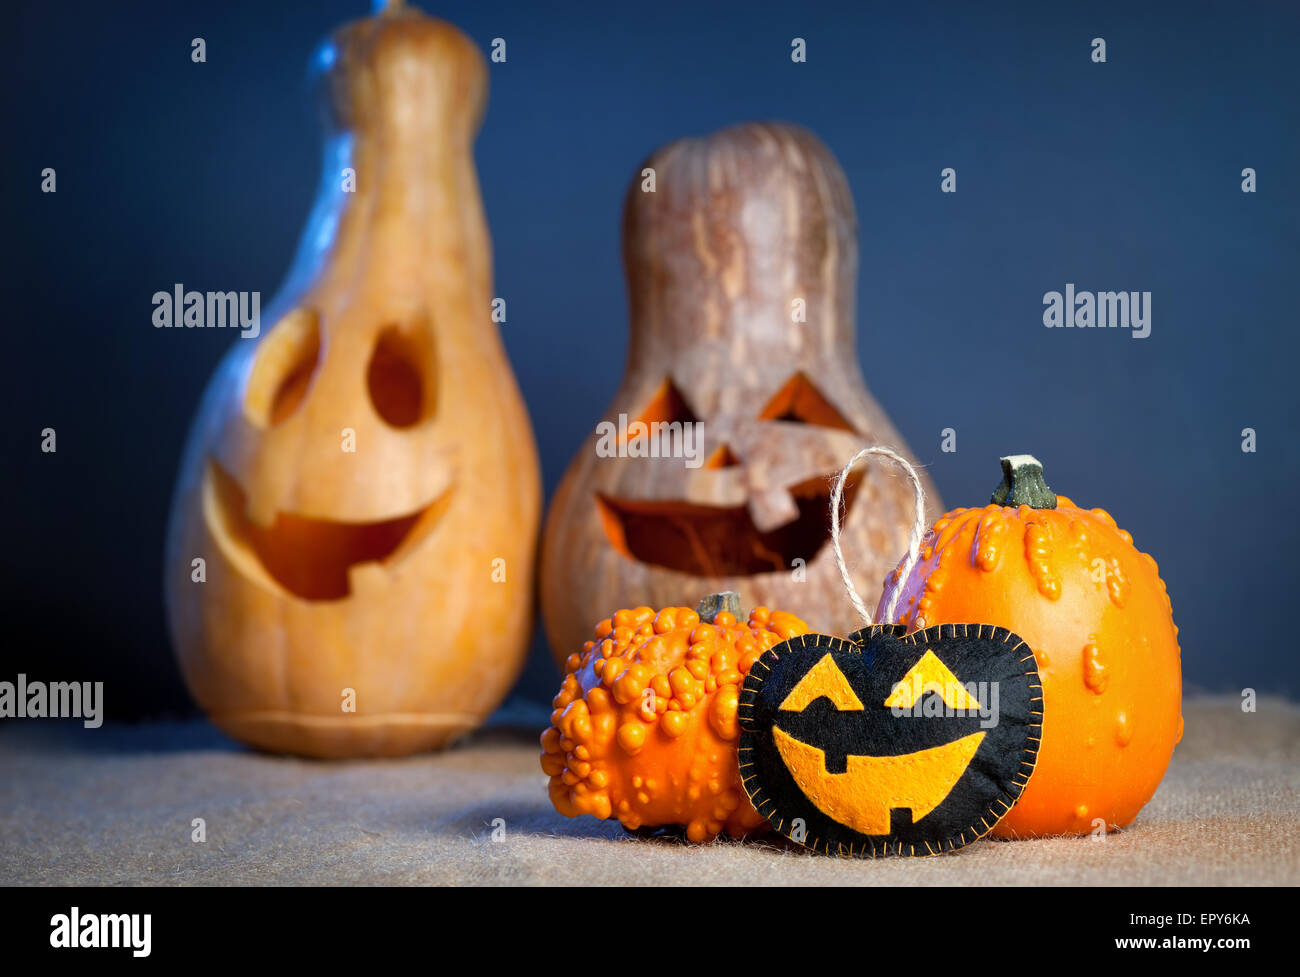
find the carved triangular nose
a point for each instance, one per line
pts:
(722, 457)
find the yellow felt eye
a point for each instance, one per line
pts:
(823, 679)
(930, 675)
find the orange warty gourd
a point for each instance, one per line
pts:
(645, 728)
(361, 481)
(1095, 611)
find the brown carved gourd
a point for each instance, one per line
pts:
(741, 257)
(361, 482)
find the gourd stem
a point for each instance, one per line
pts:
(386, 6)
(1022, 484)
(715, 604)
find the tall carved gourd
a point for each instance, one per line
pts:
(361, 482)
(741, 266)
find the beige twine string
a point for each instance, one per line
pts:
(913, 544)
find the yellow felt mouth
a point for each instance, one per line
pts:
(862, 797)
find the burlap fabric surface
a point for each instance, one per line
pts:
(116, 805)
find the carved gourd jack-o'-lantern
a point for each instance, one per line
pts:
(741, 267)
(362, 480)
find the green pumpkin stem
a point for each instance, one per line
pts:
(1022, 484)
(715, 604)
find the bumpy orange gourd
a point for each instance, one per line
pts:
(644, 727)
(1095, 611)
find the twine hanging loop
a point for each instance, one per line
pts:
(913, 544)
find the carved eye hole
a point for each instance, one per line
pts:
(666, 406)
(801, 402)
(283, 368)
(401, 375)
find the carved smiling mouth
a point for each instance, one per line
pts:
(721, 541)
(312, 558)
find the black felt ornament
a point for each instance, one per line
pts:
(889, 743)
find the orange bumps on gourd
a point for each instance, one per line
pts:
(1094, 609)
(644, 727)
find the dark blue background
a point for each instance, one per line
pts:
(1124, 175)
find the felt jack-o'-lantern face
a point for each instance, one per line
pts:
(890, 743)
(742, 397)
(361, 482)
